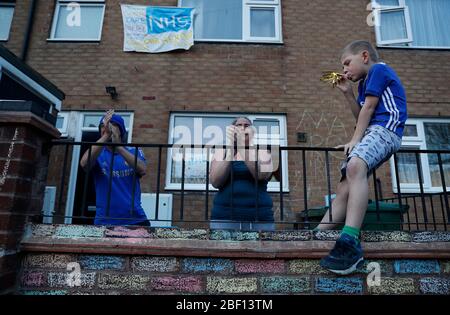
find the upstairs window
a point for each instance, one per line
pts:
(412, 23)
(236, 20)
(78, 21)
(6, 16)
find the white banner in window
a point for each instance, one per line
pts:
(157, 29)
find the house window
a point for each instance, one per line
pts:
(412, 23)
(236, 20)
(423, 134)
(6, 16)
(62, 122)
(78, 21)
(209, 129)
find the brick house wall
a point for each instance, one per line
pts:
(120, 260)
(260, 78)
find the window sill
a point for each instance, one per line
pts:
(416, 191)
(73, 40)
(273, 43)
(412, 48)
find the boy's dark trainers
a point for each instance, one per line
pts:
(345, 257)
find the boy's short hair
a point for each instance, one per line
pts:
(357, 46)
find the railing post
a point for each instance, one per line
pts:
(305, 190)
(207, 184)
(424, 207)
(327, 161)
(399, 193)
(133, 185)
(256, 181)
(86, 182)
(111, 167)
(280, 167)
(63, 178)
(444, 188)
(158, 179)
(183, 170)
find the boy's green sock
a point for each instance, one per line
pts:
(349, 230)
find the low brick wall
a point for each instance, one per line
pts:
(171, 261)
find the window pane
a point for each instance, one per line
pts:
(267, 131)
(6, 15)
(392, 25)
(267, 126)
(429, 22)
(410, 131)
(59, 122)
(200, 130)
(195, 166)
(196, 130)
(216, 19)
(262, 22)
(407, 167)
(89, 27)
(437, 137)
(388, 2)
(211, 130)
(205, 130)
(91, 120)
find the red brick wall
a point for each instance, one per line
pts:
(23, 164)
(236, 77)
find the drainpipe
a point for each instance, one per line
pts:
(26, 40)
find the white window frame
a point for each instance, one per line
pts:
(271, 186)
(263, 1)
(64, 129)
(60, 3)
(13, 5)
(247, 23)
(78, 119)
(418, 141)
(378, 10)
(247, 5)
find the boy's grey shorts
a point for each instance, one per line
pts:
(377, 146)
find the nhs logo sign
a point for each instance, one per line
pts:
(161, 20)
(157, 29)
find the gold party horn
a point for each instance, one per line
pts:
(331, 77)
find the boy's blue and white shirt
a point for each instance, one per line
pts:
(121, 189)
(383, 82)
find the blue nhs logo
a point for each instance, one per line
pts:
(161, 20)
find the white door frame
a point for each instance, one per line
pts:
(76, 156)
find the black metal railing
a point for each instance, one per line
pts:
(417, 211)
